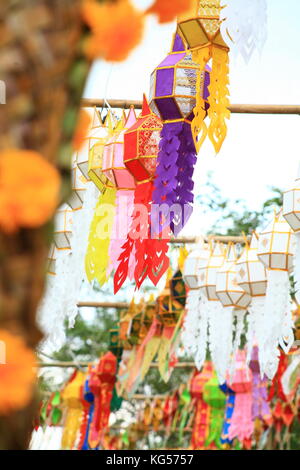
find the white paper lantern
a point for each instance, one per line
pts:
(208, 273)
(276, 245)
(291, 213)
(63, 227)
(276, 249)
(251, 274)
(195, 261)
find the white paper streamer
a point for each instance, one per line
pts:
(277, 324)
(245, 26)
(297, 268)
(63, 289)
(256, 322)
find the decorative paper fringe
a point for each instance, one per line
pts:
(244, 26)
(218, 98)
(242, 425)
(277, 327)
(190, 334)
(239, 329)
(97, 257)
(220, 337)
(256, 320)
(63, 289)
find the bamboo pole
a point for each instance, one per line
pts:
(179, 365)
(118, 305)
(234, 108)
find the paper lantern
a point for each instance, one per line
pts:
(227, 289)
(173, 84)
(250, 272)
(276, 245)
(143, 254)
(173, 95)
(79, 182)
(196, 260)
(93, 136)
(107, 368)
(291, 213)
(141, 145)
(63, 227)
(252, 277)
(208, 272)
(113, 155)
(199, 28)
(276, 250)
(169, 309)
(291, 206)
(51, 260)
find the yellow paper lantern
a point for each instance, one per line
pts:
(200, 30)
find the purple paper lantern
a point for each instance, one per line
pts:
(173, 91)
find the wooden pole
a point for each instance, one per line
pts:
(179, 365)
(118, 305)
(234, 108)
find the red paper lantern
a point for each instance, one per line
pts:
(141, 145)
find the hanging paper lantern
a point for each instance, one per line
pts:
(235, 302)
(173, 96)
(291, 213)
(169, 309)
(143, 252)
(216, 399)
(194, 335)
(230, 400)
(63, 227)
(101, 134)
(79, 181)
(214, 309)
(82, 157)
(113, 156)
(260, 406)
(244, 26)
(202, 413)
(252, 277)
(276, 250)
(200, 30)
(51, 261)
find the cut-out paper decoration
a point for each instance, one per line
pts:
(215, 310)
(215, 398)
(92, 138)
(291, 213)
(63, 227)
(144, 251)
(200, 30)
(173, 94)
(252, 277)
(241, 423)
(235, 302)
(244, 26)
(276, 251)
(195, 331)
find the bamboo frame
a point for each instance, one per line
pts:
(234, 108)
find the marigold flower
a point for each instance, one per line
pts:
(29, 189)
(116, 27)
(17, 375)
(167, 10)
(82, 127)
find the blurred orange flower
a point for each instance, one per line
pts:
(117, 27)
(167, 10)
(29, 189)
(83, 124)
(17, 375)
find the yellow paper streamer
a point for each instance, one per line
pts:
(97, 256)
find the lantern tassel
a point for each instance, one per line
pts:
(255, 325)
(277, 327)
